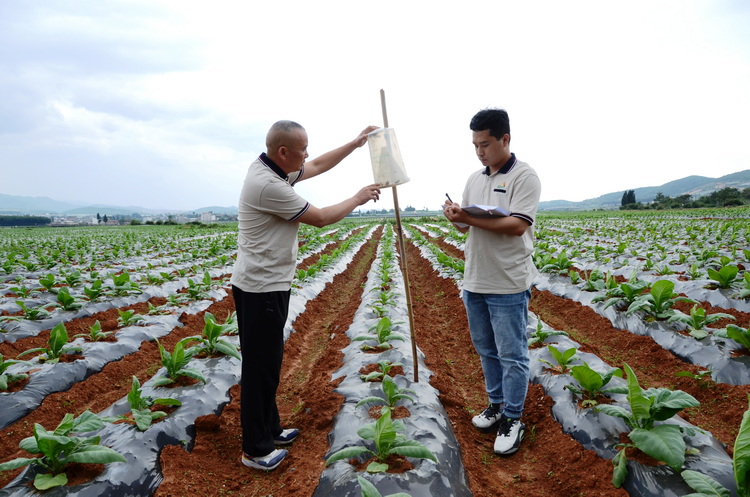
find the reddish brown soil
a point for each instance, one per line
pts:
(548, 463)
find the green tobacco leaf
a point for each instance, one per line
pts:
(704, 484)
(347, 453)
(741, 464)
(47, 481)
(376, 467)
(94, 454)
(621, 469)
(16, 463)
(662, 442)
(640, 406)
(412, 448)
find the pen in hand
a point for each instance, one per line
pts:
(449, 198)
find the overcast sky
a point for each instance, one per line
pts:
(164, 104)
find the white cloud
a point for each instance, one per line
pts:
(171, 100)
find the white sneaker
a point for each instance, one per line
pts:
(509, 435)
(486, 420)
(267, 462)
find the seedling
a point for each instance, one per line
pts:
(210, 341)
(540, 335)
(724, 277)
(47, 282)
(386, 441)
(564, 359)
(94, 291)
(392, 394)
(95, 332)
(385, 367)
(702, 377)
(176, 365)
(622, 295)
(8, 378)
(33, 313)
(68, 302)
(128, 318)
(383, 335)
(657, 304)
(698, 320)
(61, 447)
(123, 284)
(57, 346)
(591, 383)
(143, 416)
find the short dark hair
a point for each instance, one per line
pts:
(495, 120)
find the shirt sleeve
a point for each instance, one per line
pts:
(280, 199)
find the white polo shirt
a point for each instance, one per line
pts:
(267, 241)
(498, 263)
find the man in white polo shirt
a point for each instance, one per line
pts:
(499, 273)
(270, 212)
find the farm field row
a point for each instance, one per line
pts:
(333, 296)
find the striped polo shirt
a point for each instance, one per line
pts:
(267, 241)
(498, 263)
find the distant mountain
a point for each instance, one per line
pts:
(695, 186)
(38, 206)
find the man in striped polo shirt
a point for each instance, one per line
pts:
(499, 272)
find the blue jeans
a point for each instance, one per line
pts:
(497, 324)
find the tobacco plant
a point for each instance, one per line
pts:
(657, 304)
(622, 295)
(538, 336)
(563, 359)
(94, 291)
(68, 302)
(128, 318)
(724, 277)
(8, 378)
(140, 406)
(386, 440)
(664, 442)
(58, 448)
(591, 383)
(697, 320)
(384, 366)
(48, 282)
(95, 332)
(736, 333)
(176, 365)
(210, 341)
(383, 335)
(123, 285)
(57, 346)
(391, 395)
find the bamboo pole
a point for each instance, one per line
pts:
(404, 264)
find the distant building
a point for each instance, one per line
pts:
(208, 217)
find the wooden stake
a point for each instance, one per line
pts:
(404, 265)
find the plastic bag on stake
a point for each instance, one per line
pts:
(387, 164)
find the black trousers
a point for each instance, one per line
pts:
(261, 318)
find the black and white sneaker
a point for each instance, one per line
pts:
(509, 435)
(286, 437)
(487, 419)
(267, 462)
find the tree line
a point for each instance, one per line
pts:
(726, 197)
(24, 220)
